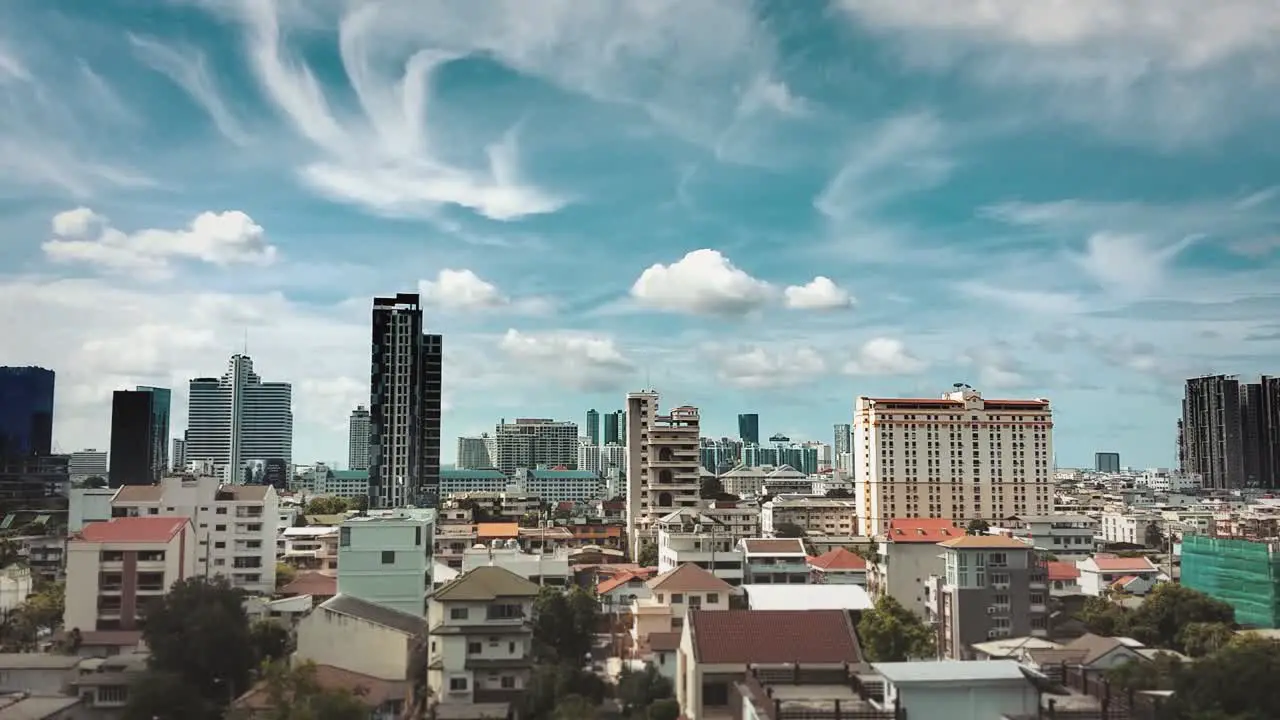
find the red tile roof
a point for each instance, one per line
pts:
(779, 546)
(1059, 570)
(922, 530)
(839, 559)
(664, 641)
(150, 529)
(739, 637)
(312, 583)
(491, 530)
(689, 578)
(1124, 581)
(1108, 562)
(623, 578)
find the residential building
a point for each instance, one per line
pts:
(804, 692)
(908, 556)
(85, 464)
(1107, 571)
(993, 587)
(718, 647)
(557, 486)
(358, 436)
(672, 595)
(754, 481)
(822, 516)
(237, 418)
(735, 520)
(311, 547)
(615, 428)
(693, 537)
(846, 597)
(590, 458)
(481, 639)
(593, 427)
(404, 406)
(339, 483)
(535, 443)
(178, 457)
(749, 428)
(474, 453)
(838, 566)
(15, 585)
(663, 470)
(1164, 480)
(387, 559)
(779, 561)
(86, 505)
(540, 568)
(959, 690)
(842, 448)
(459, 482)
(1064, 578)
(1069, 537)
(1106, 462)
(1126, 526)
(235, 525)
(958, 458)
(1229, 434)
(114, 568)
(26, 411)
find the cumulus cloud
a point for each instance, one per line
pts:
(821, 293)
(884, 356)
(577, 360)
(464, 290)
(760, 367)
(703, 282)
(225, 238)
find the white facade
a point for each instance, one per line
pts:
(87, 463)
(86, 505)
(1126, 527)
(589, 456)
(358, 428)
(237, 418)
(386, 559)
(959, 457)
(309, 548)
(1069, 537)
(457, 482)
(556, 486)
(824, 516)
(692, 538)
(959, 690)
(745, 481)
(1166, 480)
(664, 471)
(533, 443)
(235, 525)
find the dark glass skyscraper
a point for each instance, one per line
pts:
(132, 455)
(749, 428)
(26, 411)
(593, 427)
(615, 428)
(161, 403)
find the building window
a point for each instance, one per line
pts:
(220, 511)
(388, 557)
(508, 682)
(457, 684)
(344, 537)
(417, 536)
(219, 528)
(457, 613)
(220, 545)
(677, 598)
(151, 556)
(695, 602)
(474, 648)
(505, 612)
(107, 556)
(713, 598)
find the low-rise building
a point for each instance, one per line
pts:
(309, 548)
(777, 561)
(386, 559)
(1108, 571)
(821, 516)
(839, 566)
(1069, 537)
(747, 481)
(672, 595)
(555, 486)
(959, 690)
(689, 537)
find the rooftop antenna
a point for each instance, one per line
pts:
(246, 340)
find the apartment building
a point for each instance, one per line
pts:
(663, 470)
(821, 516)
(993, 587)
(1069, 537)
(386, 559)
(114, 568)
(691, 537)
(481, 639)
(535, 443)
(557, 486)
(908, 556)
(748, 481)
(672, 595)
(235, 525)
(960, 458)
(309, 548)
(838, 566)
(774, 561)
(1106, 572)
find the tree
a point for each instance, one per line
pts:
(1235, 682)
(200, 632)
(839, 493)
(271, 641)
(665, 709)
(553, 683)
(564, 625)
(10, 554)
(327, 506)
(96, 482)
(788, 530)
(1204, 638)
(637, 691)
(294, 693)
(1169, 608)
(162, 695)
(575, 707)
(300, 520)
(42, 611)
(892, 633)
(360, 503)
(285, 573)
(1103, 617)
(978, 527)
(1153, 536)
(648, 556)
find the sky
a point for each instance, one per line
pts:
(767, 207)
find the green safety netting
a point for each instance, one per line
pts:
(1244, 573)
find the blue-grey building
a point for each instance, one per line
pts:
(385, 558)
(26, 411)
(749, 428)
(161, 404)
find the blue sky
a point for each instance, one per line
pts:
(766, 207)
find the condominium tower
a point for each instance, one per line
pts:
(358, 439)
(530, 443)
(663, 468)
(26, 411)
(1229, 433)
(959, 457)
(238, 418)
(404, 406)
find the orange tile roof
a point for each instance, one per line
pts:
(501, 530)
(993, 542)
(779, 546)
(922, 530)
(1124, 581)
(664, 641)
(623, 578)
(312, 583)
(1108, 562)
(150, 529)
(839, 559)
(1059, 570)
(689, 577)
(735, 637)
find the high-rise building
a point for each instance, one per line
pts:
(590, 458)
(132, 449)
(404, 406)
(749, 428)
(179, 455)
(1212, 433)
(237, 419)
(26, 411)
(473, 453)
(843, 447)
(593, 427)
(960, 458)
(663, 465)
(615, 428)
(85, 464)
(1260, 418)
(531, 443)
(1106, 462)
(161, 405)
(358, 439)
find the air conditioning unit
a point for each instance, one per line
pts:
(991, 611)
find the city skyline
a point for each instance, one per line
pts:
(819, 201)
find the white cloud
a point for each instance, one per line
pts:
(1046, 302)
(224, 238)
(1129, 266)
(577, 360)
(186, 67)
(884, 356)
(769, 93)
(703, 282)
(464, 290)
(384, 160)
(996, 369)
(759, 367)
(818, 294)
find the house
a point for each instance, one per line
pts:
(310, 548)
(1070, 537)
(114, 568)
(839, 566)
(38, 673)
(671, 596)
(664, 654)
(103, 684)
(959, 689)
(717, 648)
(908, 556)
(688, 536)
(774, 561)
(377, 642)
(1064, 578)
(481, 642)
(1108, 571)
(318, 585)
(618, 592)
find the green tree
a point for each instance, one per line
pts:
(552, 683)
(271, 641)
(1203, 638)
(359, 503)
(648, 556)
(978, 527)
(788, 530)
(637, 691)
(42, 611)
(564, 625)
(575, 707)
(294, 693)
(285, 573)
(161, 695)
(891, 633)
(1169, 608)
(665, 709)
(1237, 682)
(1103, 617)
(325, 505)
(1153, 536)
(839, 493)
(200, 632)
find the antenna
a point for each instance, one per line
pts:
(246, 340)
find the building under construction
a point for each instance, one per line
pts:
(1242, 572)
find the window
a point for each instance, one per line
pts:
(713, 598)
(457, 613)
(388, 557)
(219, 528)
(508, 682)
(505, 612)
(417, 536)
(344, 537)
(695, 601)
(473, 648)
(107, 556)
(220, 544)
(998, 559)
(457, 684)
(677, 598)
(151, 556)
(220, 511)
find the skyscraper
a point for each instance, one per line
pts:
(132, 456)
(615, 428)
(358, 439)
(238, 418)
(405, 403)
(843, 447)
(161, 404)
(593, 427)
(178, 457)
(26, 411)
(749, 428)
(1212, 435)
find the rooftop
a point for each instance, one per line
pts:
(486, 583)
(152, 529)
(951, 671)
(835, 596)
(1109, 562)
(374, 613)
(839, 559)
(922, 530)
(1059, 570)
(778, 546)
(139, 493)
(987, 542)
(490, 530)
(311, 583)
(622, 578)
(734, 637)
(689, 577)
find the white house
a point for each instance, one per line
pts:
(959, 689)
(1107, 571)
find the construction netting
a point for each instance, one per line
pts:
(1244, 573)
